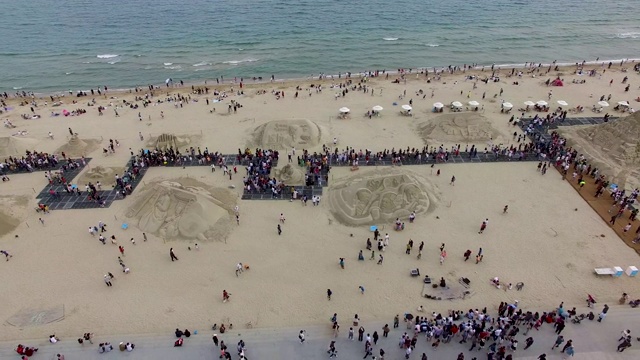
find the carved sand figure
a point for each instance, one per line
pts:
(458, 127)
(612, 147)
(76, 147)
(291, 174)
(106, 175)
(14, 146)
(179, 142)
(381, 196)
(13, 211)
(285, 134)
(182, 209)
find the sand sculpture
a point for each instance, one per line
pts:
(177, 142)
(458, 128)
(13, 210)
(380, 197)
(13, 146)
(612, 147)
(291, 174)
(76, 147)
(106, 175)
(36, 317)
(285, 134)
(183, 209)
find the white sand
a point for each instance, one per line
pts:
(542, 241)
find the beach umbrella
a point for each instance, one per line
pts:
(377, 108)
(623, 103)
(408, 316)
(438, 105)
(507, 105)
(542, 103)
(456, 104)
(407, 107)
(529, 103)
(474, 103)
(603, 103)
(344, 110)
(562, 103)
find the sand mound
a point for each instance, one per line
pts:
(462, 127)
(177, 142)
(106, 175)
(183, 209)
(35, 317)
(285, 134)
(12, 212)
(612, 147)
(79, 147)
(291, 174)
(14, 146)
(381, 196)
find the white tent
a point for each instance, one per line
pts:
(603, 103)
(623, 103)
(473, 103)
(529, 103)
(344, 110)
(507, 105)
(562, 103)
(407, 107)
(542, 103)
(377, 108)
(438, 105)
(457, 104)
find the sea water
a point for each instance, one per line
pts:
(52, 45)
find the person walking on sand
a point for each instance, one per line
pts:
(506, 207)
(467, 254)
(107, 280)
(453, 180)
(6, 254)
(121, 249)
(603, 314)
(282, 218)
(173, 255)
(559, 341)
(329, 293)
(225, 296)
(483, 226)
(279, 229)
(301, 336)
(380, 259)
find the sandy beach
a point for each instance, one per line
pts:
(550, 239)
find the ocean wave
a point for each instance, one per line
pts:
(389, 39)
(68, 73)
(113, 62)
(237, 62)
(168, 64)
(17, 87)
(628, 35)
(173, 67)
(432, 45)
(201, 64)
(107, 56)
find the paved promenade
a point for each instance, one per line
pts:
(592, 341)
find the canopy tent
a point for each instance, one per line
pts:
(557, 82)
(407, 107)
(507, 105)
(473, 103)
(529, 103)
(603, 103)
(438, 105)
(542, 103)
(623, 103)
(457, 104)
(562, 103)
(344, 110)
(377, 108)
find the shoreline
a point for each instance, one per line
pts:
(356, 75)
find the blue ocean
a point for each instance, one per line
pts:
(53, 45)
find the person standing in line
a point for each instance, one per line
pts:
(603, 314)
(173, 255)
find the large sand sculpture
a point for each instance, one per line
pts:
(14, 146)
(12, 212)
(612, 147)
(285, 134)
(76, 146)
(106, 175)
(464, 127)
(183, 209)
(177, 142)
(380, 197)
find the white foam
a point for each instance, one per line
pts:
(201, 64)
(173, 67)
(240, 49)
(432, 45)
(113, 62)
(628, 35)
(17, 87)
(390, 39)
(237, 62)
(107, 56)
(168, 64)
(68, 73)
